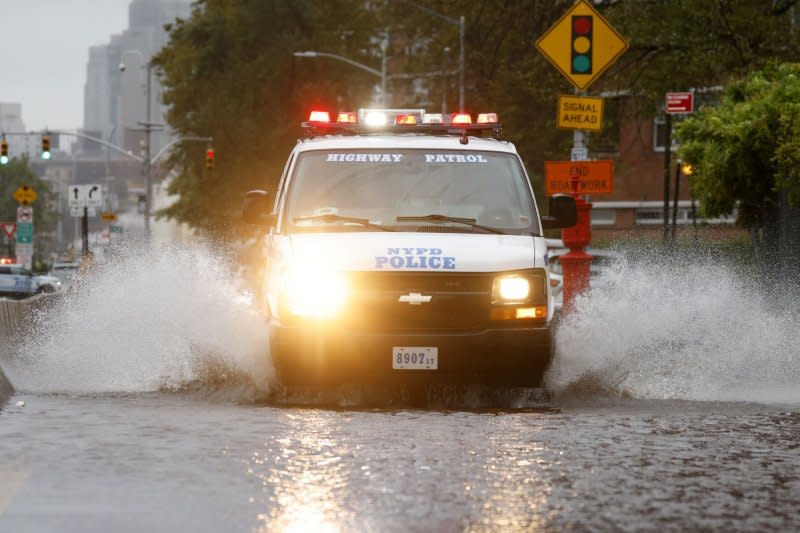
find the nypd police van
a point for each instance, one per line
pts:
(405, 247)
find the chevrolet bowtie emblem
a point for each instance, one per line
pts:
(415, 298)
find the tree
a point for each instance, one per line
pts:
(229, 73)
(746, 152)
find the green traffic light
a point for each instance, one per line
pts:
(45, 155)
(3, 159)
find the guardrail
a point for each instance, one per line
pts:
(16, 316)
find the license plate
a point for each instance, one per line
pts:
(415, 357)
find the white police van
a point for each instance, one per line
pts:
(403, 247)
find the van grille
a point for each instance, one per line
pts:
(459, 301)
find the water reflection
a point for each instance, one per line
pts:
(302, 478)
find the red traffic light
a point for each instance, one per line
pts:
(581, 53)
(210, 157)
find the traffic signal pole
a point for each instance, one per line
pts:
(85, 232)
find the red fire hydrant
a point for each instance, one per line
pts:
(576, 263)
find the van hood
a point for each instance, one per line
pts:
(448, 252)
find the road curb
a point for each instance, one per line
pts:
(6, 390)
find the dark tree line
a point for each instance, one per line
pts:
(229, 72)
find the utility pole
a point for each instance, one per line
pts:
(667, 168)
(148, 185)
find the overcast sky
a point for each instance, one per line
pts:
(44, 47)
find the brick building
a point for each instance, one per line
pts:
(634, 140)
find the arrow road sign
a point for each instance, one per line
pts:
(90, 195)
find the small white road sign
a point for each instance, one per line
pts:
(90, 195)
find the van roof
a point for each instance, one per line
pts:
(403, 141)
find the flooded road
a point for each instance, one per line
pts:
(166, 462)
(148, 405)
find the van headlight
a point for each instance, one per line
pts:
(519, 295)
(510, 289)
(314, 293)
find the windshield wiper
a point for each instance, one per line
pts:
(444, 218)
(331, 217)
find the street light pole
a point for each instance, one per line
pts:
(461, 65)
(148, 182)
(456, 22)
(380, 73)
(147, 126)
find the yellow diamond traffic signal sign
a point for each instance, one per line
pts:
(25, 195)
(582, 44)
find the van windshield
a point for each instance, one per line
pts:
(378, 186)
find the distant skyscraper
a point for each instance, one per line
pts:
(114, 100)
(11, 122)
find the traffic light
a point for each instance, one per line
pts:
(3, 152)
(582, 31)
(210, 157)
(45, 146)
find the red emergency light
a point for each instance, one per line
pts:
(347, 117)
(319, 116)
(405, 119)
(460, 118)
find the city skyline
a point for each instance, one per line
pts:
(45, 70)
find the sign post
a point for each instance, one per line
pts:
(581, 45)
(24, 247)
(676, 104)
(83, 201)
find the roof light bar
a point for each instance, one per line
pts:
(319, 116)
(405, 119)
(367, 121)
(460, 118)
(347, 117)
(375, 118)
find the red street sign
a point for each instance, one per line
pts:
(596, 177)
(9, 228)
(680, 103)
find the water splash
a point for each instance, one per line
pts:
(173, 319)
(688, 328)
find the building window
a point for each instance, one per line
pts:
(603, 217)
(660, 134)
(649, 215)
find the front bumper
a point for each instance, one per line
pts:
(325, 355)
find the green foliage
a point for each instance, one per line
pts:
(746, 149)
(16, 174)
(228, 72)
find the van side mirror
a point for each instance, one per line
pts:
(255, 208)
(563, 212)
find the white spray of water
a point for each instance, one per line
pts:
(155, 320)
(689, 329)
